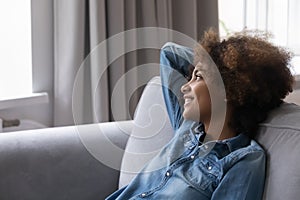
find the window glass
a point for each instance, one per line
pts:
(15, 48)
(280, 18)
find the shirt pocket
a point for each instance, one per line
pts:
(203, 175)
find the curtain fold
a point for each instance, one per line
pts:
(90, 84)
(69, 25)
(98, 33)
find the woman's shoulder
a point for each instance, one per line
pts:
(252, 151)
(243, 148)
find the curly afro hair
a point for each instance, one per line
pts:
(255, 73)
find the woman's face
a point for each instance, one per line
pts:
(197, 102)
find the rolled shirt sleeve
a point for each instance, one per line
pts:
(175, 68)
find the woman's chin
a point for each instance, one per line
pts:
(185, 115)
(188, 116)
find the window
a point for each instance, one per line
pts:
(15, 48)
(281, 18)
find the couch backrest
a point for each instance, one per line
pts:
(57, 163)
(279, 135)
(151, 131)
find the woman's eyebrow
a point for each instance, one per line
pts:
(200, 67)
(198, 71)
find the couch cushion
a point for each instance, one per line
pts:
(151, 131)
(280, 137)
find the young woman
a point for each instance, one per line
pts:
(200, 162)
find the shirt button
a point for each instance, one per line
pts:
(209, 167)
(143, 195)
(192, 157)
(168, 174)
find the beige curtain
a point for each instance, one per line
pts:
(88, 87)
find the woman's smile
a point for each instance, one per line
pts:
(187, 100)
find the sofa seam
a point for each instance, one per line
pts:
(279, 126)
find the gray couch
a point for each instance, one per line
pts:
(89, 162)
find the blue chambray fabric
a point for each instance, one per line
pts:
(187, 168)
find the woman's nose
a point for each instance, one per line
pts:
(185, 88)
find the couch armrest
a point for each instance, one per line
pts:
(59, 163)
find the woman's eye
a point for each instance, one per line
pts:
(198, 77)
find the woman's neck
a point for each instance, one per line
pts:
(227, 131)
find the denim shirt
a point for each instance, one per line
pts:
(186, 168)
(231, 169)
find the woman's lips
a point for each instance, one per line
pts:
(187, 100)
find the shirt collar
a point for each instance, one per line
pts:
(237, 142)
(199, 132)
(232, 144)
(224, 147)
